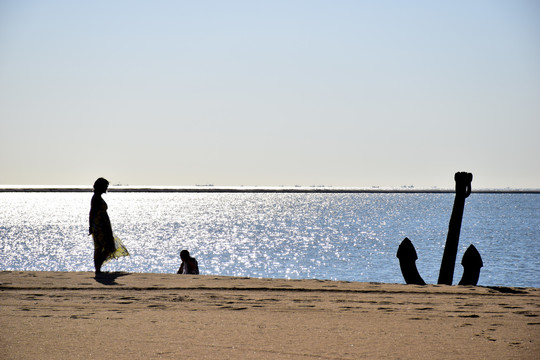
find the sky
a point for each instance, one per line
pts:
(270, 93)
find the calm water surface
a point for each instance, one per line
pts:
(278, 235)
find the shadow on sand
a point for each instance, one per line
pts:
(109, 278)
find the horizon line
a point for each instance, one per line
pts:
(256, 189)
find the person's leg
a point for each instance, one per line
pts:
(98, 260)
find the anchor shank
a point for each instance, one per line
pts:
(463, 190)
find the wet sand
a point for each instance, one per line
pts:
(73, 315)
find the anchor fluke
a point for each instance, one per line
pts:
(407, 262)
(472, 262)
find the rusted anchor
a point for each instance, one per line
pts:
(472, 261)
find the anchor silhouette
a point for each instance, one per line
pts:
(471, 261)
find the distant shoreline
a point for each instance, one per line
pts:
(241, 189)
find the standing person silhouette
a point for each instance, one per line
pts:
(106, 245)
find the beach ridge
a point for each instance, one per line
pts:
(70, 315)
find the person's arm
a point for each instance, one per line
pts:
(181, 269)
(92, 216)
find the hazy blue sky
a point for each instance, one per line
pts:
(342, 93)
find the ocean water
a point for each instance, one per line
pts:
(337, 236)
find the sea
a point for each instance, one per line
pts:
(293, 233)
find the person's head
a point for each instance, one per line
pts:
(101, 185)
(184, 255)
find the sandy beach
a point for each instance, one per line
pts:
(73, 315)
